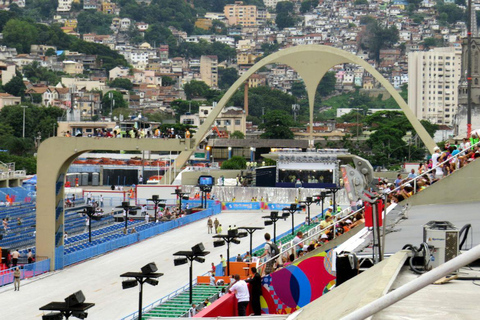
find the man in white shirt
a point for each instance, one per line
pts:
(297, 242)
(438, 172)
(240, 289)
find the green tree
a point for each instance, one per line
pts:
(277, 125)
(94, 21)
(20, 35)
(377, 37)
(298, 89)
(285, 15)
(15, 87)
(50, 52)
(36, 73)
(182, 107)
(167, 81)
(116, 101)
(122, 83)
(237, 135)
(227, 77)
(327, 84)
(196, 89)
(234, 163)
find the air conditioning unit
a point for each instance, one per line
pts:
(442, 237)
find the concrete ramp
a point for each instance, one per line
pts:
(357, 292)
(459, 187)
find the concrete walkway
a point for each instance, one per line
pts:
(99, 278)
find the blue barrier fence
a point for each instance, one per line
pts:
(19, 194)
(26, 271)
(127, 240)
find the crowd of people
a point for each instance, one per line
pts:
(442, 163)
(134, 133)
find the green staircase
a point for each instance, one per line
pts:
(179, 305)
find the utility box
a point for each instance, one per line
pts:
(84, 179)
(443, 237)
(95, 179)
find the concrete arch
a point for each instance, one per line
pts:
(311, 62)
(53, 159)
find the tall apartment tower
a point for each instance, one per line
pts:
(433, 84)
(209, 70)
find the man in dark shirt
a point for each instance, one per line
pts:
(256, 291)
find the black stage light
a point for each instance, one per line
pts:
(79, 314)
(151, 282)
(309, 199)
(200, 259)
(236, 241)
(242, 234)
(127, 284)
(75, 298)
(273, 214)
(268, 222)
(198, 248)
(149, 268)
(218, 243)
(53, 316)
(179, 261)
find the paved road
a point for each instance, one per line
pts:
(99, 278)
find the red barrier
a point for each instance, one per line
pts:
(225, 306)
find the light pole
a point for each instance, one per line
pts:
(23, 131)
(127, 207)
(231, 236)
(74, 305)
(147, 275)
(198, 253)
(157, 201)
(250, 231)
(291, 211)
(272, 219)
(90, 212)
(308, 202)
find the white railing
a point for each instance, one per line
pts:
(312, 234)
(6, 175)
(414, 180)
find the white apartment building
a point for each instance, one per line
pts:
(64, 5)
(271, 3)
(209, 70)
(433, 79)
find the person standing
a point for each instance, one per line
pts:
(213, 269)
(16, 277)
(101, 201)
(219, 229)
(15, 255)
(210, 225)
(30, 256)
(216, 223)
(224, 264)
(240, 289)
(256, 289)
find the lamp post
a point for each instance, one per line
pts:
(334, 190)
(250, 231)
(308, 202)
(127, 207)
(180, 195)
(157, 203)
(147, 275)
(198, 253)
(74, 305)
(272, 219)
(90, 212)
(291, 210)
(231, 236)
(23, 131)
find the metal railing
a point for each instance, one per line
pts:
(26, 271)
(317, 231)
(13, 174)
(415, 285)
(414, 180)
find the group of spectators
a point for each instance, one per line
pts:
(442, 163)
(134, 133)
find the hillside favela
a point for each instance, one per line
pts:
(218, 159)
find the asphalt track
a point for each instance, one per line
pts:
(99, 278)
